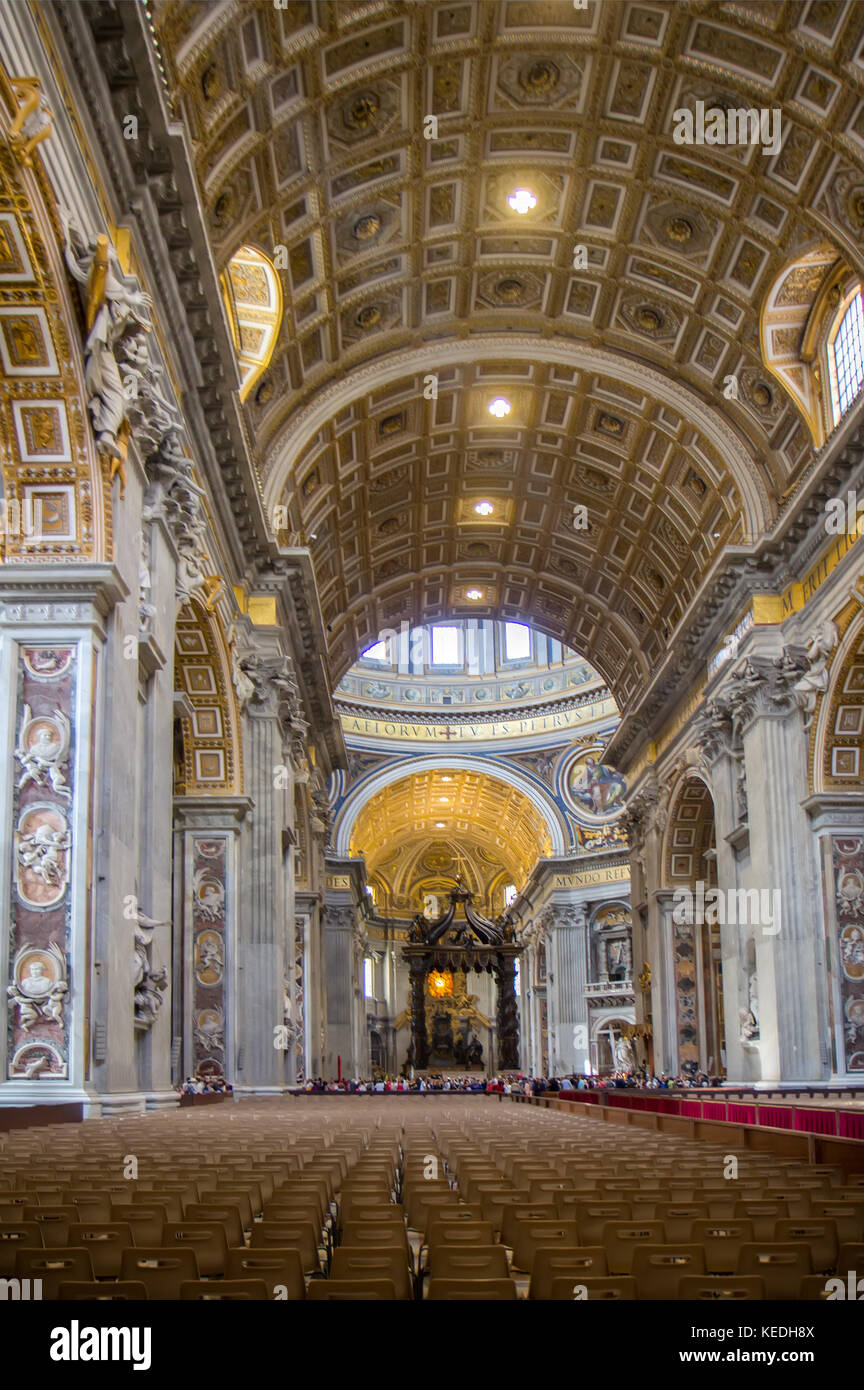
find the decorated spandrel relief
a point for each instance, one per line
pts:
(208, 956)
(38, 986)
(847, 854)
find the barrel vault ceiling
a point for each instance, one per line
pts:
(408, 833)
(403, 260)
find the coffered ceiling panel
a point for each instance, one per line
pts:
(370, 150)
(490, 826)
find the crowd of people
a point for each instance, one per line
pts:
(527, 1085)
(386, 1085)
(630, 1081)
(200, 1086)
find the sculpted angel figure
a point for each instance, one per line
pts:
(115, 308)
(38, 996)
(32, 123)
(814, 681)
(41, 852)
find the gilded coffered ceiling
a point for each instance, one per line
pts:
(370, 150)
(418, 830)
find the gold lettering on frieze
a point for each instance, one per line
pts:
(614, 873)
(485, 730)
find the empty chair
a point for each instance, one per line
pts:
(351, 1290)
(728, 1288)
(417, 1204)
(352, 1263)
(531, 1235)
(764, 1216)
(446, 1217)
(848, 1219)
(816, 1288)
(91, 1205)
(780, 1267)
(106, 1241)
(531, 1211)
(468, 1262)
(226, 1215)
(230, 1290)
(160, 1271)
(819, 1233)
(206, 1238)
(459, 1233)
(678, 1217)
(471, 1290)
(659, 1269)
(170, 1202)
(51, 1267)
(494, 1202)
(358, 1206)
(593, 1218)
(371, 1235)
(281, 1270)
(722, 1242)
(553, 1262)
(15, 1236)
(595, 1290)
(54, 1223)
(381, 1212)
(849, 1256)
(91, 1291)
(290, 1205)
(622, 1238)
(145, 1222)
(297, 1235)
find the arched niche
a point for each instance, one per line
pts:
(795, 328)
(212, 759)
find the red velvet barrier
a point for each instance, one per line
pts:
(849, 1125)
(742, 1114)
(691, 1108)
(777, 1116)
(713, 1110)
(816, 1121)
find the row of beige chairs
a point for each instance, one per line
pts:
(343, 1167)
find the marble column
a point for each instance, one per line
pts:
(54, 632)
(660, 948)
(790, 962)
(341, 1036)
(506, 1015)
(263, 925)
(419, 1038)
(568, 963)
(653, 942)
(208, 832)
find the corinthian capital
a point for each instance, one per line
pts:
(714, 729)
(767, 685)
(275, 689)
(646, 812)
